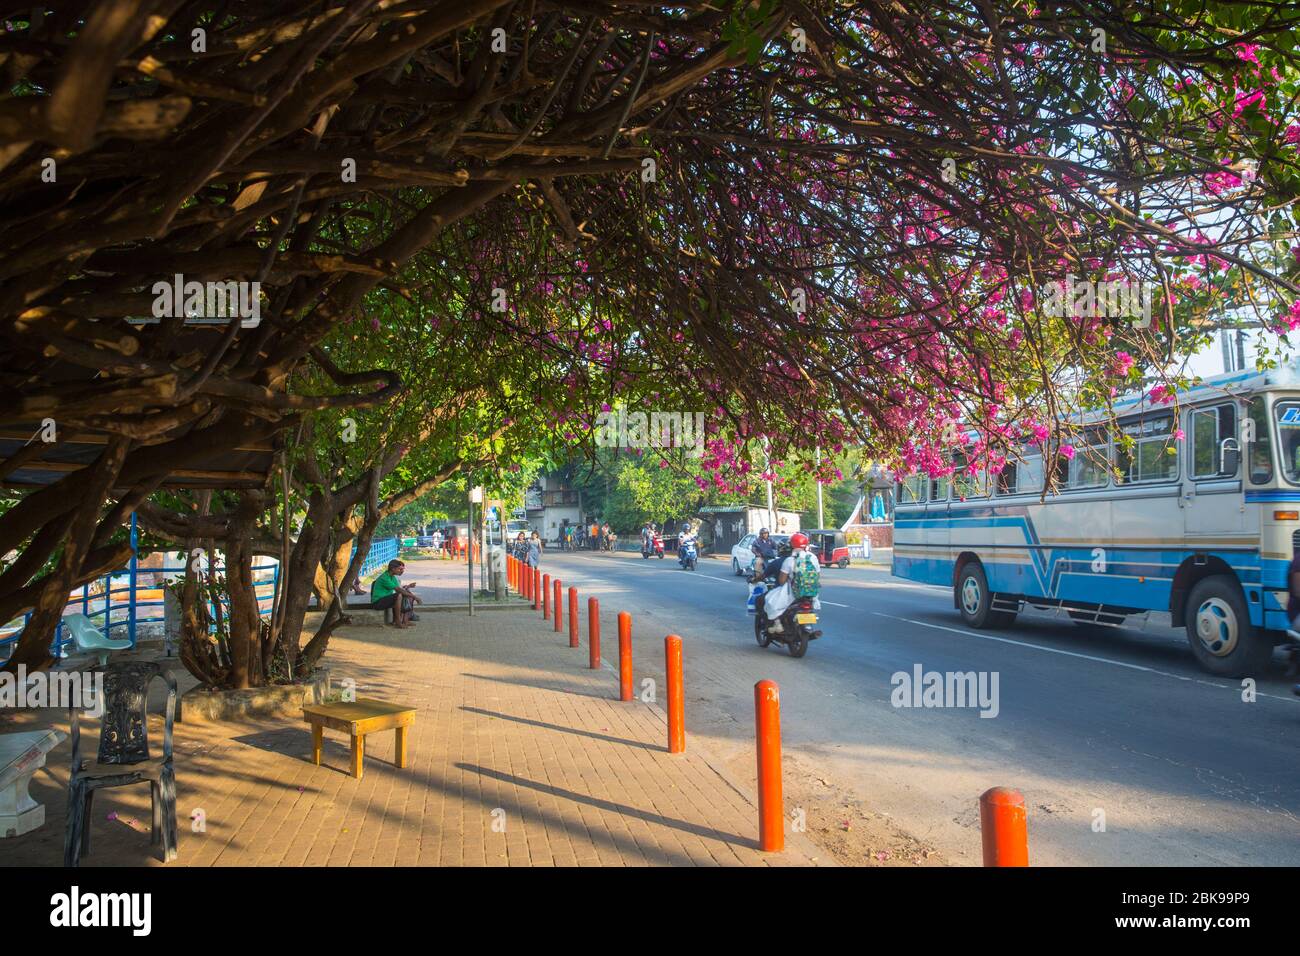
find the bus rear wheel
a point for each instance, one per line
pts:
(1219, 629)
(975, 600)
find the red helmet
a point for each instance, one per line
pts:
(798, 540)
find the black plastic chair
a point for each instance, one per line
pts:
(124, 757)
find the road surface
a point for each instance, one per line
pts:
(1127, 753)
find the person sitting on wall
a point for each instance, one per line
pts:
(387, 591)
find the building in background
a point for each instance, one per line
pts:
(730, 523)
(551, 502)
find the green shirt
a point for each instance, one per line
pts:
(384, 585)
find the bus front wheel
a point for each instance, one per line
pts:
(1220, 632)
(975, 600)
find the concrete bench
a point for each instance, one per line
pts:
(362, 615)
(21, 755)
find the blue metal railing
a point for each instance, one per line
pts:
(117, 601)
(380, 553)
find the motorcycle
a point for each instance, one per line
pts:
(796, 622)
(687, 556)
(652, 546)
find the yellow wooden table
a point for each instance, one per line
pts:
(358, 718)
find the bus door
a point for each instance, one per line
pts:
(1212, 494)
(939, 564)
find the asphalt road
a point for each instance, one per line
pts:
(1127, 753)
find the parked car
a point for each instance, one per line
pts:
(742, 557)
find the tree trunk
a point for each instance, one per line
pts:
(304, 565)
(245, 621)
(33, 649)
(341, 581)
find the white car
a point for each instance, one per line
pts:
(742, 557)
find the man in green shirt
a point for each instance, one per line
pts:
(387, 591)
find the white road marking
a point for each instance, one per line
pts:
(966, 632)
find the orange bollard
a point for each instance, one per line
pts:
(573, 617)
(546, 597)
(676, 695)
(1004, 827)
(536, 586)
(767, 723)
(559, 608)
(624, 655)
(593, 633)
(510, 571)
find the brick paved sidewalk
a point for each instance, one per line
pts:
(520, 755)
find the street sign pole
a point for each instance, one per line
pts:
(469, 552)
(475, 494)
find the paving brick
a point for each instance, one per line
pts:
(509, 718)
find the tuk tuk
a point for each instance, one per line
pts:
(830, 547)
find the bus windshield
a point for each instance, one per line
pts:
(1288, 433)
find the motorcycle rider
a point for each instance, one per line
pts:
(764, 550)
(782, 596)
(684, 537)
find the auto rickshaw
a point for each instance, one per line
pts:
(830, 546)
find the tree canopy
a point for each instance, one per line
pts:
(819, 223)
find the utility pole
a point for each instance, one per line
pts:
(771, 511)
(821, 518)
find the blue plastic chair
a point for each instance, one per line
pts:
(89, 639)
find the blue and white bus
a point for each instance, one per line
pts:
(1203, 527)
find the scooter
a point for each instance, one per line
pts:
(654, 546)
(797, 622)
(687, 555)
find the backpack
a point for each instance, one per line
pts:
(806, 579)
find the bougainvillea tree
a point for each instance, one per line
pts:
(819, 223)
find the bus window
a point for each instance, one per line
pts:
(1006, 478)
(1260, 451)
(911, 490)
(1029, 474)
(1150, 458)
(966, 485)
(1088, 468)
(1288, 433)
(1210, 428)
(939, 489)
